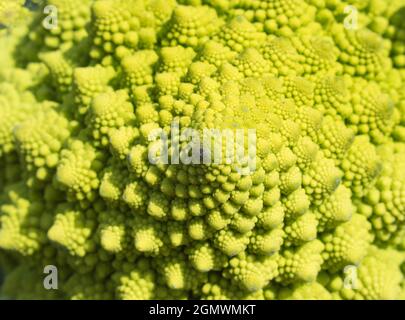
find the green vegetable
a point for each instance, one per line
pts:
(315, 211)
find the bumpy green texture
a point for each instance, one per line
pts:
(315, 211)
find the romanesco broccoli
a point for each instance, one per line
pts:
(104, 172)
